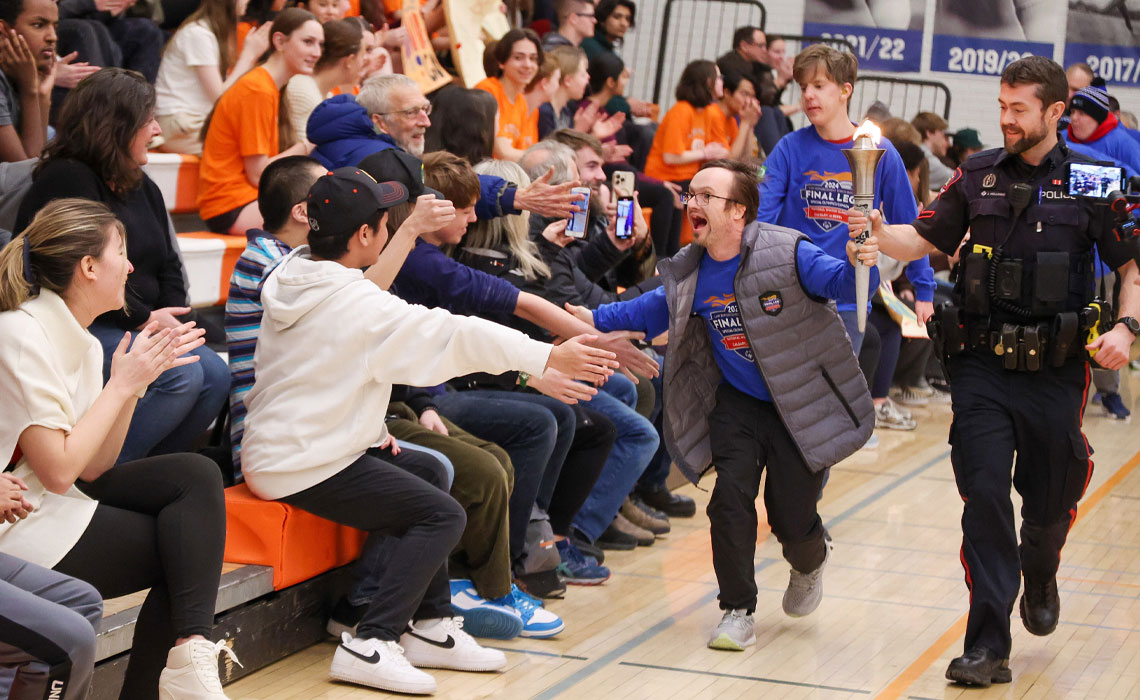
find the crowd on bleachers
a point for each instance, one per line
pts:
(402, 348)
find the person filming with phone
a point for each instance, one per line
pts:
(1017, 339)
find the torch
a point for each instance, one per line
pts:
(863, 156)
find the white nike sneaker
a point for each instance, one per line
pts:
(378, 664)
(191, 671)
(442, 643)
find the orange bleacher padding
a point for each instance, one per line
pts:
(235, 246)
(186, 197)
(297, 544)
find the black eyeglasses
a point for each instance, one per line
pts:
(413, 112)
(703, 198)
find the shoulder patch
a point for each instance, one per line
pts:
(772, 303)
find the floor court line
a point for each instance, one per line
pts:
(631, 644)
(532, 652)
(934, 652)
(758, 679)
(594, 666)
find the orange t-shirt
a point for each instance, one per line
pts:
(244, 124)
(517, 123)
(685, 128)
(243, 30)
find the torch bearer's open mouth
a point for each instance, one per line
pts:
(870, 131)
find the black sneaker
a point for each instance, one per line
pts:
(1040, 607)
(979, 666)
(613, 538)
(671, 504)
(544, 584)
(588, 548)
(345, 616)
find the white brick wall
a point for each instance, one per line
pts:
(973, 98)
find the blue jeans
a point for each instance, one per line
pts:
(636, 442)
(178, 406)
(530, 433)
(851, 323)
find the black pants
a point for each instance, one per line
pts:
(747, 435)
(594, 437)
(374, 495)
(160, 524)
(1036, 415)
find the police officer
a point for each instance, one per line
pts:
(1017, 343)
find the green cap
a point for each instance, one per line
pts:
(967, 138)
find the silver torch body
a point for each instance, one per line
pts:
(863, 157)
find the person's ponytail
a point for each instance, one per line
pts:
(15, 288)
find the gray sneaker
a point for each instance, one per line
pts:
(806, 590)
(735, 631)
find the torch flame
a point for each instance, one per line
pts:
(871, 130)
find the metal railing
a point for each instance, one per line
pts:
(904, 97)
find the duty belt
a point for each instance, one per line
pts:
(1029, 347)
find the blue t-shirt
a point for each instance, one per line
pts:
(714, 300)
(807, 187)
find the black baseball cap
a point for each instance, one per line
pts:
(399, 166)
(347, 198)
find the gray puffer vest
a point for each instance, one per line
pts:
(798, 341)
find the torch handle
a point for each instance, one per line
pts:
(864, 203)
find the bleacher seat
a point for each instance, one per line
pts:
(297, 544)
(209, 259)
(177, 177)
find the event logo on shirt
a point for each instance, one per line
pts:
(725, 320)
(828, 197)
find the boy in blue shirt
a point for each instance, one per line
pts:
(807, 182)
(765, 378)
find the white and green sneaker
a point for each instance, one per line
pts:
(735, 632)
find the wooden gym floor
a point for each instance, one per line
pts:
(892, 616)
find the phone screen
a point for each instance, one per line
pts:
(1089, 180)
(624, 218)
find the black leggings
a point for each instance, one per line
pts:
(160, 524)
(593, 439)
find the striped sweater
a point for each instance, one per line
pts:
(243, 322)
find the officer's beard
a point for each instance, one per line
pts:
(1025, 141)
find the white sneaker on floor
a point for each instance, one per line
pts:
(805, 591)
(888, 416)
(191, 671)
(735, 632)
(442, 643)
(378, 664)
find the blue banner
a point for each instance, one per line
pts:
(1118, 65)
(898, 50)
(973, 56)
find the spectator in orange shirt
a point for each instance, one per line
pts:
(242, 135)
(694, 130)
(518, 55)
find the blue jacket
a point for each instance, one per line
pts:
(1087, 150)
(1117, 145)
(344, 136)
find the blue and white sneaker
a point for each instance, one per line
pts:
(538, 622)
(579, 569)
(482, 617)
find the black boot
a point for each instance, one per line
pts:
(669, 503)
(1040, 607)
(979, 666)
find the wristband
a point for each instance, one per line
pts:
(523, 378)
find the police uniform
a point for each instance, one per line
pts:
(1019, 373)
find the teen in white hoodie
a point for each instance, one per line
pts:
(332, 344)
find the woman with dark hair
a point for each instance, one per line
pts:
(247, 130)
(518, 55)
(463, 123)
(340, 66)
(98, 153)
(694, 130)
(157, 523)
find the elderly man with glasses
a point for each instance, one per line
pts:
(759, 374)
(392, 112)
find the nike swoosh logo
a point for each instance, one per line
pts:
(374, 659)
(448, 643)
